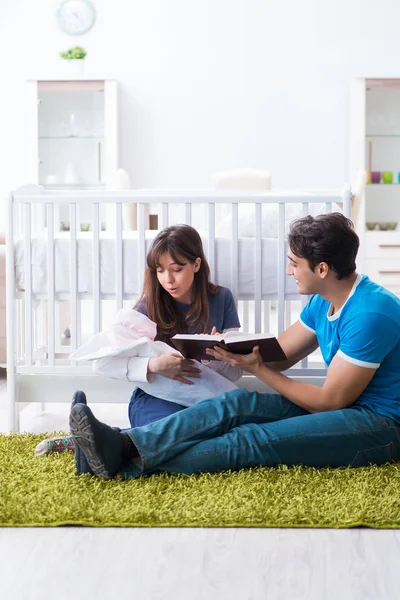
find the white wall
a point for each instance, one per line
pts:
(207, 85)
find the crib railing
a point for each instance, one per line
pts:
(37, 319)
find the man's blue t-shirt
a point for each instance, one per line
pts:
(364, 332)
(222, 307)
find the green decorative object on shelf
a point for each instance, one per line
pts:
(387, 225)
(387, 176)
(75, 53)
(371, 225)
(381, 225)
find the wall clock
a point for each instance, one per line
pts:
(76, 17)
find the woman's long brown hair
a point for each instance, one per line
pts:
(184, 244)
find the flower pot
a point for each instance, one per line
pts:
(75, 67)
(387, 176)
(376, 176)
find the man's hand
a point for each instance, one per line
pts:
(174, 366)
(248, 362)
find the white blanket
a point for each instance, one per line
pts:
(131, 334)
(223, 261)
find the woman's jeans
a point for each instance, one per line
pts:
(248, 429)
(144, 408)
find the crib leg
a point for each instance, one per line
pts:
(17, 417)
(12, 404)
(40, 408)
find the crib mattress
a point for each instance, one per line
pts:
(130, 245)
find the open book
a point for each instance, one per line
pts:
(194, 345)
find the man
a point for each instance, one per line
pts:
(352, 420)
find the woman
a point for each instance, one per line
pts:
(180, 298)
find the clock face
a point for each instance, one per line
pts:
(76, 17)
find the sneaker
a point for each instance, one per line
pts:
(55, 444)
(81, 464)
(102, 446)
(63, 443)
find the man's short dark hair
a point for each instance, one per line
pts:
(326, 238)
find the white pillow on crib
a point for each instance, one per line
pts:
(242, 179)
(269, 218)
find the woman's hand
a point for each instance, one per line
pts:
(214, 331)
(174, 366)
(248, 362)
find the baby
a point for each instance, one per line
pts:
(132, 335)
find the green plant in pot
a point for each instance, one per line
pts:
(75, 53)
(75, 58)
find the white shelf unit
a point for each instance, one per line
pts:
(72, 134)
(374, 145)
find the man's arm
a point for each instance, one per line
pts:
(297, 342)
(343, 385)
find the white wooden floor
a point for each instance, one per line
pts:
(77, 563)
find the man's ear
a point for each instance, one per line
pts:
(197, 264)
(322, 269)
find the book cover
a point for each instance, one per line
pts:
(194, 346)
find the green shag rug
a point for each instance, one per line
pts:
(45, 492)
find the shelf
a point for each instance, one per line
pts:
(374, 231)
(71, 137)
(382, 135)
(394, 184)
(74, 186)
(76, 84)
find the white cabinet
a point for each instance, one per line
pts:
(72, 133)
(382, 153)
(382, 258)
(374, 138)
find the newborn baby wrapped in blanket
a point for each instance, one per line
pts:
(131, 338)
(132, 335)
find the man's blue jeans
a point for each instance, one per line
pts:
(248, 429)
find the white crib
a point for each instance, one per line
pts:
(98, 272)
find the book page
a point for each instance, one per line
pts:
(229, 336)
(240, 336)
(199, 336)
